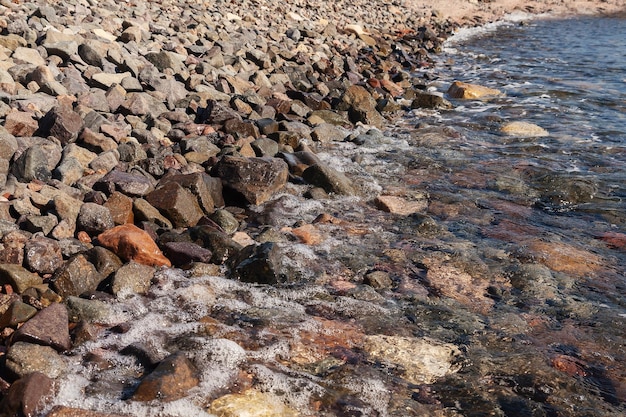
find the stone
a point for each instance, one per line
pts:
(259, 264)
(331, 180)
(12, 247)
(62, 123)
(326, 133)
(562, 257)
(17, 313)
(178, 204)
(48, 328)
(424, 360)
(170, 381)
(378, 279)
(430, 101)
(399, 205)
(132, 278)
(467, 91)
(94, 218)
(69, 171)
(28, 56)
(28, 396)
(251, 403)
(200, 184)
(64, 411)
(126, 183)
(524, 129)
(90, 311)
(256, 179)
(184, 253)
(146, 212)
(32, 164)
(107, 80)
(131, 243)
(43, 255)
(77, 276)
(105, 261)
(18, 277)
(219, 243)
(362, 106)
(318, 117)
(225, 220)
(120, 207)
(44, 224)
(95, 141)
(24, 358)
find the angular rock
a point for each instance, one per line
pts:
(28, 56)
(184, 253)
(120, 207)
(200, 184)
(256, 179)
(32, 165)
(126, 183)
(17, 313)
(222, 245)
(24, 358)
(94, 218)
(170, 381)
(62, 123)
(362, 106)
(326, 132)
(18, 277)
(19, 123)
(259, 264)
(331, 180)
(146, 212)
(132, 278)
(77, 276)
(28, 396)
(12, 247)
(178, 204)
(47, 328)
(43, 255)
(131, 243)
(430, 101)
(463, 90)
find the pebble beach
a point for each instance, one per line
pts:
(192, 221)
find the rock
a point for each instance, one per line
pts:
(90, 311)
(256, 179)
(105, 261)
(108, 80)
(170, 381)
(259, 264)
(566, 258)
(423, 360)
(47, 328)
(32, 165)
(463, 90)
(18, 277)
(523, 129)
(331, 180)
(252, 403)
(362, 106)
(24, 358)
(126, 183)
(326, 132)
(308, 234)
(132, 278)
(131, 243)
(12, 247)
(28, 396)
(63, 411)
(201, 185)
(62, 123)
(225, 220)
(178, 204)
(77, 276)
(94, 218)
(21, 124)
(220, 244)
(28, 56)
(399, 205)
(184, 253)
(43, 255)
(378, 279)
(430, 101)
(120, 207)
(145, 212)
(17, 313)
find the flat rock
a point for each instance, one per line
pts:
(525, 129)
(132, 278)
(131, 243)
(463, 90)
(120, 207)
(362, 106)
(24, 358)
(399, 205)
(90, 311)
(126, 183)
(47, 328)
(251, 403)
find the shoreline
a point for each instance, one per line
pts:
(177, 134)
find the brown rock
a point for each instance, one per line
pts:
(43, 255)
(178, 204)
(171, 380)
(75, 277)
(64, 124)
(133, 244)
(20, 124)
(133, 278)
(256, 179)
(28, 395)
(120, 207)
(308, 234)
(561, 257)
(463, 90)
(201, 185)
(18, 277)
(184, 253)
(18, 312)
(331, 180)
(47, 328)
(399, 205)
(63, 411)
(362, 106)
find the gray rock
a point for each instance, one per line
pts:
(75, 277)
(132, 278)
(331, 180)
(94, 218)
(34, 223)
(259, 264)
(326, 132)
(90, 311)
(126, 183)
(25, 358)
(43, 255)
(184, 253)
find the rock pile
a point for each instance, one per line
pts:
(135, 136)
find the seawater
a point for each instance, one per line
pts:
(517, 258)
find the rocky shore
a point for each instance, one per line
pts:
(139, 136)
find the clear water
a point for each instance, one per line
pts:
(517, 260)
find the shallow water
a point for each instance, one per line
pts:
(516, 261)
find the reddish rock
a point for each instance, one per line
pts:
(256, 179)
(308, 234)
(20, 124)
(48, 328)
(562, 257)
(121, 208)
(178, 204)
(170, 381)
(614, 240)
(569, 365)
(28, 395)
(133, 244)
(399, 205)
(64, 124)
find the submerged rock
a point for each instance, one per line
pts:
(468, 91)
(252, 403)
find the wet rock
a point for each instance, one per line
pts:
(326, 132)
(423, 360)
(171, 380)
(43, 255)
(94, 218)
(225, 220)
(264, 147)
(75, 277)
(430, 101)
(524, 129)
(251, 402)
(48, 328)
(132, 278)
(24, 358)
(131, 243)
(308, 234)
(18, 277)
(362, 106)
(219, 243)
(256, 179)
(259, 264)
(331, 180)
(463, 90)
(399, 205)
(184, 253)
(89, 311)
(178, 204)
(566, 258)
(28, 396)
(64, 411)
